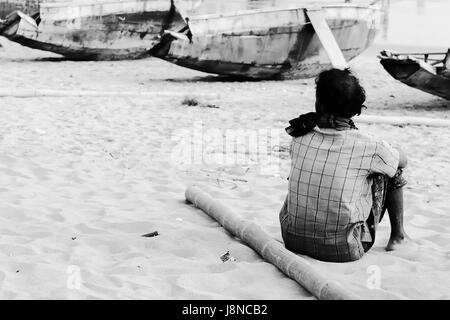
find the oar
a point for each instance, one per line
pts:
(326, 37)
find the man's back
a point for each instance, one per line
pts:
(330, 194)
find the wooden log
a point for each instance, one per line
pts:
(417, 121)
(38, 93)
(292, 265)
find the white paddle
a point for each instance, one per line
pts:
(326, 37)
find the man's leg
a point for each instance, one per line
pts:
(394, 206)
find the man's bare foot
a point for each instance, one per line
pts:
(396, 241)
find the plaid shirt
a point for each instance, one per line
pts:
(330, 197)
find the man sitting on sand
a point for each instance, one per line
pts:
(341, 180)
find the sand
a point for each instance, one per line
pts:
(83, 178)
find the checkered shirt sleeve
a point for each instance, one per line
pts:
(385, 159)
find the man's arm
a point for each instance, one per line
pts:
(387, 159)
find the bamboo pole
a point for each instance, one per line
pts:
(37, 93)
(294, 266)
(418, 121)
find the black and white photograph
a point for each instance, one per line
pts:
(224, 150)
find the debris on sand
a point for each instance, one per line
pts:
(151, 234)
(193, 102)
(227, 257)
(190, 102)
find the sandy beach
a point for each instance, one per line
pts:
(83, 178)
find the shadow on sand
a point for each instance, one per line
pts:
(218, 79)
(52, 59)
(434, 104)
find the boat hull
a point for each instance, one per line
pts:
(413, 74)
(269, 44)
(96, 30)
(26, 6)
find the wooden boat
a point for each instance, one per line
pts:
(429, 72)
(270, 42)
(94, 29)
(26, 6)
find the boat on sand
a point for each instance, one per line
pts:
(266, 43)
(271, 42)
(26, 6)
(94, 29)
(429, 72)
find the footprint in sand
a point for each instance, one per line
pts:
(76, 151)
(221, 267)
(202, 286)
(186, 252)
(165, 189)
(16, 250)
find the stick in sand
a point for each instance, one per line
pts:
(271, 250)
(418, 121)
(34, 93)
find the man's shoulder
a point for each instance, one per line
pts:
(371, 143)
(365, 137)
(347, 136)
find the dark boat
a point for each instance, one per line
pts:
(429, 72)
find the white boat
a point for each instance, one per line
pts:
(270, 42)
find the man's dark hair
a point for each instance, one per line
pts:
(338, 92)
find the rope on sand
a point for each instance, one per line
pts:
(418, 121)
(36, 93)
(294, 266)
